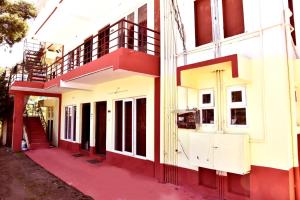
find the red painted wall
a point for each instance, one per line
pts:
(18, 121)
(262, 183)
(70, 146)
(269, 183)
(297, 182)
(157, 24)
(233, 17)
(203, 22)
(136, 165)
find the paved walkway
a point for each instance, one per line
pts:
(105, 182)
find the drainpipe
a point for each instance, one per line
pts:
(169, 93)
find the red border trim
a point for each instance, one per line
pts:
(269, 183)
(70, 146)
(53, 11)
(122, 58)
(265, 183)
(140, 166)
(232, 58)
(36, 85)
(29, 93)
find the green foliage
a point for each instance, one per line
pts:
(5, 100)
(13, 16)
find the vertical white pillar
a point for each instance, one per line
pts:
(78, 122)
(92, 125)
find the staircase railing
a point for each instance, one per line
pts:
(33, 110)
(122, 34)
(32, 59)
(33, 45)
(40, 114)
(17, 73)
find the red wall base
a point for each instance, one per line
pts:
(297, 182)
(70, 146)
(212, 186)
(136, 165)
(145, 167)
(261, 184)
(92, 151)
(269, 183)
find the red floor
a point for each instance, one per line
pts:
(103, 181)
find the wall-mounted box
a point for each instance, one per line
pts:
(223, 152)
(187, 120)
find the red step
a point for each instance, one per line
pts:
(38, 140)
(41, 145)
(37, 135)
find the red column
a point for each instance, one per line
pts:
(18, 122)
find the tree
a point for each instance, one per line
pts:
(13, 16)
(5, 100)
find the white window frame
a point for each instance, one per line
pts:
(132, 124)
(73, 128)
(207, 91)
(236, 105)
(134, 117)
(204, 106)
(134, 138)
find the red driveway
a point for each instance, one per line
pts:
(103, 181)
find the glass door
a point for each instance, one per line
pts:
(128, 125)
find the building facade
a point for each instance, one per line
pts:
(235, 64)
(200, 93)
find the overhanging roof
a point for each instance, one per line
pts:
(240, 68)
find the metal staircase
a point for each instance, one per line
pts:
(33, 55)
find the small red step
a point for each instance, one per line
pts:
(39, 146)
(43, 140)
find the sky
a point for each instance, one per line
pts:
(11, 56)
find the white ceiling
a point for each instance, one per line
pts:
(74, 21)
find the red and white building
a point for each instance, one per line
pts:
(99, 78)
(199, 93)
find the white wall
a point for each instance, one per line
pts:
(263, 43)
(54, 102)
(73, 22)
(131, 87)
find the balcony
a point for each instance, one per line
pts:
(123, 48)
(122, 34)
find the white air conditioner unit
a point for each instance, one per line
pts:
(223, 152)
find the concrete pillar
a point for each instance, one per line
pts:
(92, 129)
(17, 133)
